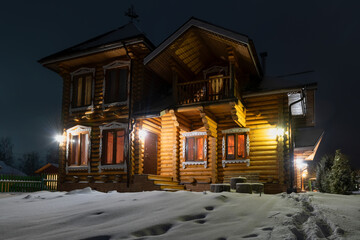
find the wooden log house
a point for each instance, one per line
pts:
(183, 115)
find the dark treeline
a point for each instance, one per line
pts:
(28, 162)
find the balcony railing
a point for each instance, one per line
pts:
(212, 89)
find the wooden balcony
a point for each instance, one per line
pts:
(213, 89)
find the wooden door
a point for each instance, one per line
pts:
(150, 154)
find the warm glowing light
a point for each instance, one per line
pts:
(59, 138)
(142, 134)
(277, 132)
(305, 173)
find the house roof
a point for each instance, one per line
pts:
(48, 168)
(194, 45)
(283, 87)
(307, 141)
(8, 170)
(126, 34)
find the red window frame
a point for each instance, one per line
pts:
(112, 148)
(195, 149)
(236, 146)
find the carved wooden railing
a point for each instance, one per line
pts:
(212, 89)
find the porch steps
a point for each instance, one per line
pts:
(166, 183)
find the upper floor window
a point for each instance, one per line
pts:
(82, 87)
(116, 81)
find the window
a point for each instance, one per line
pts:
(82, 90)
(195, 148)
(116, 84)
(79, 148)
(113, 150)
(235, 146)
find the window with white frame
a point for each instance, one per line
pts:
(195, 149)
(236, 146)
(78, 145)
(116, 82)
(112, 145)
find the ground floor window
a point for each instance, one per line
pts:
(235, 146)
(195, 148)
(113, 146)
(79, 148)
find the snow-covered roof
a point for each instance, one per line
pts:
(127, 34)
(8, 170)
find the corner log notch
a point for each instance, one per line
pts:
(210, 125)
(238, 113)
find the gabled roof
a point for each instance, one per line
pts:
(127, 34)
(233, 38)
(307, 141)
(48, 168)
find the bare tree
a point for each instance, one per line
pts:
(6, 151)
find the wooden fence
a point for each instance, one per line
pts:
(10, 183)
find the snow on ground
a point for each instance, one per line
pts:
(91, 215)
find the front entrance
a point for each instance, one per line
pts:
(150, 154)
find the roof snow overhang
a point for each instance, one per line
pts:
(201, 40)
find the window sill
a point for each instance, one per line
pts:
(114, 104)
(112, 167)
(184, 164)
(81, 109)
(247, 161)
(78, 168)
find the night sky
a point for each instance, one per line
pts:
(323, 36)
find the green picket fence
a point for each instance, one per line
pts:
(10, 183)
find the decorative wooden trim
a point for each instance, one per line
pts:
(77, 168)
(247, 161)
(112, 65)
(223, 147)
(236, 130)
(205, 148)
(111, 125)
(81, 71)
(247, 145)
(216, 69)
(116, 64)
(193, 134)
(113, 167)
(184, 164)
(184, 148)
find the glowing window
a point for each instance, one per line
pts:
(113, 142)
(195, 148)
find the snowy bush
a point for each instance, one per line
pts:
(341, 176)
(323, 170)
